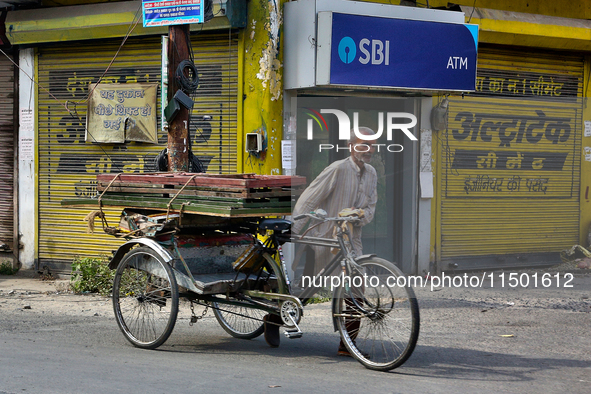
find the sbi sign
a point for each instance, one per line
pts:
(370, 51)
(397, 53)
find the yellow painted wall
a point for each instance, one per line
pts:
(586, 165)
(578, 9)
(263, 84)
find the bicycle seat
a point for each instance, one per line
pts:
(274, 224)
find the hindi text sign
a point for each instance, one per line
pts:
(120, 112)
(172, 12)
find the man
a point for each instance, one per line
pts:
(347, 183)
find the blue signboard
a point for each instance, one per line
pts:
(401, 53)
(172, 12)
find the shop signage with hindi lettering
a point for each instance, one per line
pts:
(121, 112)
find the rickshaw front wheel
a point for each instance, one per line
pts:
(145, 298)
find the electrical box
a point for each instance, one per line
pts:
(254, 142)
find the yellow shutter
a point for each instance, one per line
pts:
(6, 150)
(68, 165)
(510, 172)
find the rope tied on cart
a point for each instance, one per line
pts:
(92, 215)
(176, 195)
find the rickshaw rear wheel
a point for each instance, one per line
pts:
(239, 321)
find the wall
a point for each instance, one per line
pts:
(578, 9)
(585, 218)
(263, 84)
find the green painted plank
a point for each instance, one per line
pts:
(195, 200)
(204, 209)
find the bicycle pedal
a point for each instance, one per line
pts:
(294, 334)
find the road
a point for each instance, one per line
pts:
(499, 340)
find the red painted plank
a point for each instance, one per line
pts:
(236, 180)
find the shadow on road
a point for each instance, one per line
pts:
(470, 364)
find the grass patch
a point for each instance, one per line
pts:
(7, 269)
(322, 296)
(92, 275)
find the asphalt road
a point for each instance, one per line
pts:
(499, 340)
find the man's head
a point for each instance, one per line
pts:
(362, 150)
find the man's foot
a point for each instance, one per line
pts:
(343, 351)
(272, 330)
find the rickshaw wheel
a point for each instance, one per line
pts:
(145, 298)
(378, 320)
(242, 321)
(239, 321)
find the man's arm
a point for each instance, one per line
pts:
(372, 190)
(315, 195)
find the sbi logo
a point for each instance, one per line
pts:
(374, 51)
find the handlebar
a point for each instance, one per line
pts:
(314, 215)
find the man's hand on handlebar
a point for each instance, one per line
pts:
(346, 215)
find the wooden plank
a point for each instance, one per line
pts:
(210, 186)
(221, 201)
(201, 190)
(236, 180)
(202, 209)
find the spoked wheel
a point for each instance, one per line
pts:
(145, 298)
(239, 321)
(378, 321)
(244, 322)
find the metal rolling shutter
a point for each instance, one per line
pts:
(6, 151)
(510, 175)
(68, 165)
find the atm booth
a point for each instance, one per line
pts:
(350, 64)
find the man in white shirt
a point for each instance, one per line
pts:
(347, 183)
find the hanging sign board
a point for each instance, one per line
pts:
(368, 51)
(120, 112)
(172, 12)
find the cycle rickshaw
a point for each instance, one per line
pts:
(236, 267)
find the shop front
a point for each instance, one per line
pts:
(70, 155)
(68, 151)
(347, 68)
(510, 162)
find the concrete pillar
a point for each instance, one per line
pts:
(27, 163)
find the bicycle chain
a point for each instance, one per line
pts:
(194, 317)
(238, 314)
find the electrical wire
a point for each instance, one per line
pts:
(472, 13)
(188, 84)
(161, 162)
(74, 113)
(130, 29)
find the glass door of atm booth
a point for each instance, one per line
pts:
(391, 233)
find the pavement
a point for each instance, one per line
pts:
(30, 281)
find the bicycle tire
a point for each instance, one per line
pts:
(243, 323)
(383, 337)
(145, 298)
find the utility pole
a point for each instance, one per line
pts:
(178, 128)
